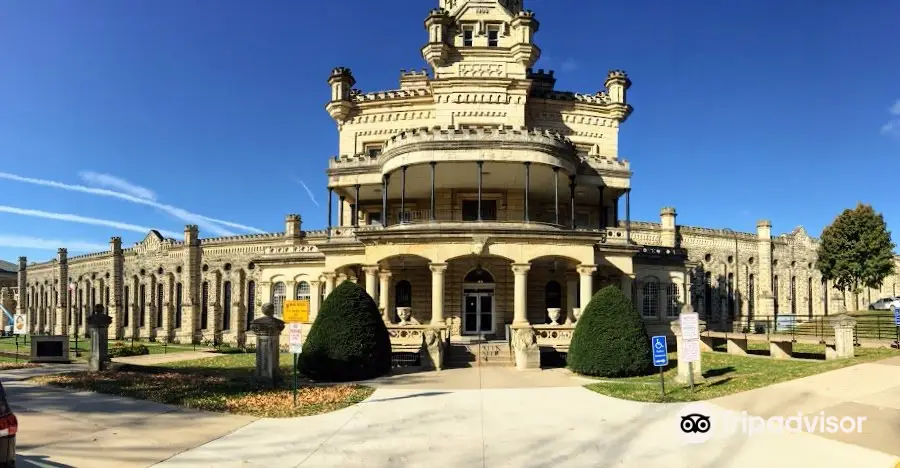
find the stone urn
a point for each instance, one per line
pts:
(576, 312)
(404, 313)
(554, 314)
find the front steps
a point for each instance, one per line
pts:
(476, 353)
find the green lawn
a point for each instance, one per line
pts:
(8, 344)
(726, 374)
(223, 383)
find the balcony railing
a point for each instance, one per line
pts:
(490, 216)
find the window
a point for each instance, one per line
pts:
(278, 295)
(159, 305)
(373, 151)
(72, 307)
(178, 299)
(731, 301)
(226, 305)
(793, 295)
(650, 303)
(582, 219)
(751, 295)
(106, 299)
(374, 218)
(493, 36)
(403, 294)
(302, 293)
(468, 34)
(775, 292)
(553, 295)
(825, 294)
(251, 302)
(488, 210)
(125, 315)
(707, 296)
(673, 296)
(809, 296)
(142, 306)
(204, 306)
(93, 300)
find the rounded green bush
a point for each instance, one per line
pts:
(610, 339)
(348, 341)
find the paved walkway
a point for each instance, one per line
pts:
(153, 359)
(422, 420)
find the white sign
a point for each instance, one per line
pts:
(690, 326)
(295, 337)
(20, 324)
(690, 351)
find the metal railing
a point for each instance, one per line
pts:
(487, 215)
(819, 327)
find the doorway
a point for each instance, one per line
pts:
(478, 302)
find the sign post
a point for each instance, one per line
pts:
(20, 327)
(897, 324)
(660, 359)
(690, 337)
(295, 339)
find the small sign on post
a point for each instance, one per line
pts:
(897, 316)
(20, 324)
(690, 336)
(295, 341)
(660, 359)
(296, 311)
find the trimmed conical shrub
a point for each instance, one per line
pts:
(348, 341)
(610, 339)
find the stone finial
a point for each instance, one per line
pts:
(23, 263)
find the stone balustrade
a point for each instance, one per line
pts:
(557, 337)
(426, 340)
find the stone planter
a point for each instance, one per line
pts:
(554, 314)
(404, 313)
(576, 312)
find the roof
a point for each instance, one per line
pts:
(7, 266)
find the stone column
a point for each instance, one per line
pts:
(190, 285)
(372, 280)
(384, 295)
(268, 350)
(22, 304)
(586, 273)
(843, 337)
(766, 302)
(117, 285)
(520, 293)
(61, 325)
(437, 293)
(98, 326)
(571, 296)
(329, 282)
(166, 324)
(315, 299)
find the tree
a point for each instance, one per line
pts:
(348, 341)
(856, 250)
(610, 338)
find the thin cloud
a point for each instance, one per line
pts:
(27, 242)
(895, 109)
(84, 220)
(113, 182)
(569, 65)
(892, 127)
(308, 191)
(206, 223)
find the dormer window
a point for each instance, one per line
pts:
(493, 36)
(468, 34)
(373, 151)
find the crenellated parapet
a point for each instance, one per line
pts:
(360, 97)
(597, 98)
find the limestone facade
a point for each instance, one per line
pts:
(475, 197)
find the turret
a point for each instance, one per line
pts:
(341, 81)
(523, 27)
(191, 235)
(764, 243)
(293, 224)
(22, 304)
(669, 237)
(617, 84)
(438, 48)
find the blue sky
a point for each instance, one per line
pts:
(743, 109)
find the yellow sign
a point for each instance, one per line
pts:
(296, 311)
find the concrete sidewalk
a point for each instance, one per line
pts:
(154, 359)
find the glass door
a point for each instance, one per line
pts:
(478, 312)
(486, 313)
(470, 313)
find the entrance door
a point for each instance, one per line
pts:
(478, 312)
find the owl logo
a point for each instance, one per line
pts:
(694, 423)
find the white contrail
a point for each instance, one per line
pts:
(204, 222)
(84, 220)
(26, 242)
(122, 185)
(308, 192)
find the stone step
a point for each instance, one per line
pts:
(495, 353)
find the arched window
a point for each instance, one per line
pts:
(707, 295)
(553, 295)
(650, 297)
(809, 298)
(793, 295)
(178, 300)
(251, 302)
(226, 305)
(278, 295)
(142, 306)
(825, 294)
(673, 297)
(751, 295)
(159, 304)
(302, 292)
(403, 294)
(204, 306)
(479, 275)
(731, 295)
(127, 301)
(775, 292)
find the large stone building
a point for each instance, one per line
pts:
(473, 199)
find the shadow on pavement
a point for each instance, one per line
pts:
(38, 461)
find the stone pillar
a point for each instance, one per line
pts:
(190, 285)
(61, 325)
(571, 296)
(668, 237)
(628, 288)
(384, 295)
(766, 302)
(520, 293)
(372, 280)
(117, 285)
(22, 304)
(684, 371)
(268, 350)
(437, 293)
(329, 282)
(315, 299)
(432, 351)
(586, 272)
(98, 326)
(166, 325)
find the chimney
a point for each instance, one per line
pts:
(669, 236)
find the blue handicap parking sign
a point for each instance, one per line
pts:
(897, 316)
(660, 351)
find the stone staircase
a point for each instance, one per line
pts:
(479, 354)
